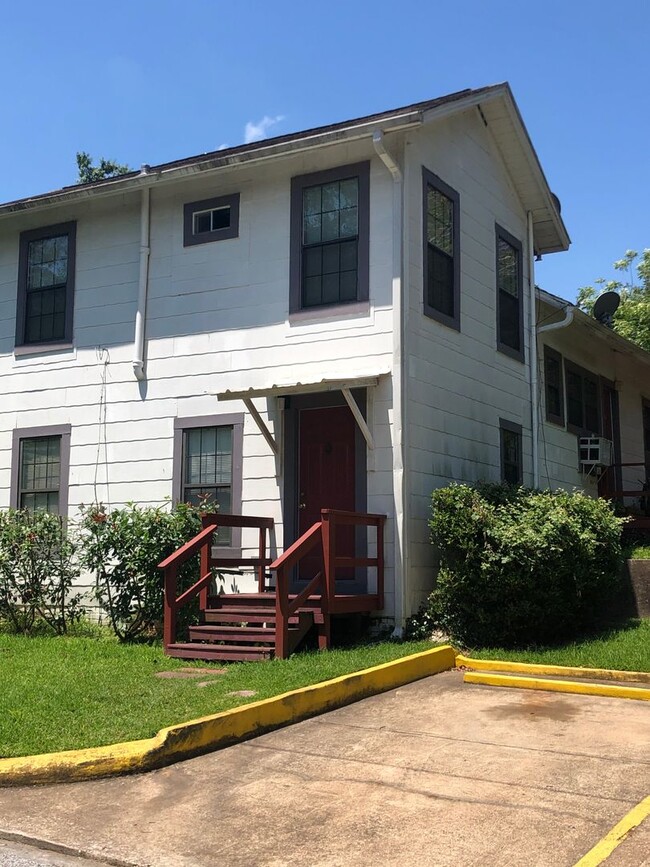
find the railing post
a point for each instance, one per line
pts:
(329, 555)
(381, 523)
(262, 555)
(169, 613)
(281, 618)
(206, 563)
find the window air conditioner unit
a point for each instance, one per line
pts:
(595, 452)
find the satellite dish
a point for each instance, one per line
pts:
(606, 306)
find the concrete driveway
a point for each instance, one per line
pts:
(435, 773)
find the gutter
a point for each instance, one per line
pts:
(399, 385)
(120, 185)
(143, 283)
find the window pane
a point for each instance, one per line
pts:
(330, 288)
(349, 193)
(330, 226)
(331, 259)
(221, 218)
(509, 320)
(574, 399)
(510, 451)
(330, 193)
(207, 468)
(312, 291)
(312, 229)
(440, 220)
(202, 222)
(311, 199)
(40, 473)
(330, 212)
(508, 276)
(47, 262)
(348, 285)
(553, 377)
(440, 289)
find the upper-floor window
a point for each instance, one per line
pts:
(211, 220)
(510, 318)
(208, 468)
(39, 471)
(553, 386)
(582, 400)
(46, 272)
(329, 237)
(510, 435)
(441, 207)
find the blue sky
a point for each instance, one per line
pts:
(144, 81)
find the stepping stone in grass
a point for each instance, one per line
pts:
(244, 693)
(187, 673)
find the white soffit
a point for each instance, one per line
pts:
(286, 388)
(511, 138)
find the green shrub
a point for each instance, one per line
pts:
(520, 567)
(123, 548)
(37, 568)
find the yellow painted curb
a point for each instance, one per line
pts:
(602, 689)
(223, 729)
(604, 848)
(559, 670)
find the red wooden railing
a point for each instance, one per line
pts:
(643, 492)
(320, 591)
(203, 542)
(323, 584)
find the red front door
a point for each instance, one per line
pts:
(326, 477)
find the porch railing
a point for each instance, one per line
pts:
(642, 493)
(323, 585)
(203, 542)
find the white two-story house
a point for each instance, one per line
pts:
(338, 318)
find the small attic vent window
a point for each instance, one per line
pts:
(211, 220)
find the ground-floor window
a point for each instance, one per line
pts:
(39, 471)
(208, 467)
(511, 452)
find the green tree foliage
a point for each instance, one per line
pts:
(632, 319)
(520, 567)
(88, 173)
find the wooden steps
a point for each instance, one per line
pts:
(241, 627)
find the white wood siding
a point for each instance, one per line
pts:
(217, 319)
(458, 384)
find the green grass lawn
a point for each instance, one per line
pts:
(638, 552)
(69, 693)
(626, 648)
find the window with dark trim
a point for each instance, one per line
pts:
(208, 468)
(211, 220)
(46, 271)
(441, 234)
(510, 318)
(553, 386)
(40, 463)
(330, 237)
(510, 435)
(645, 407)
(583, 411)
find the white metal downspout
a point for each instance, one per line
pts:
(399, 385)
(140, 316)
(532, 355)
